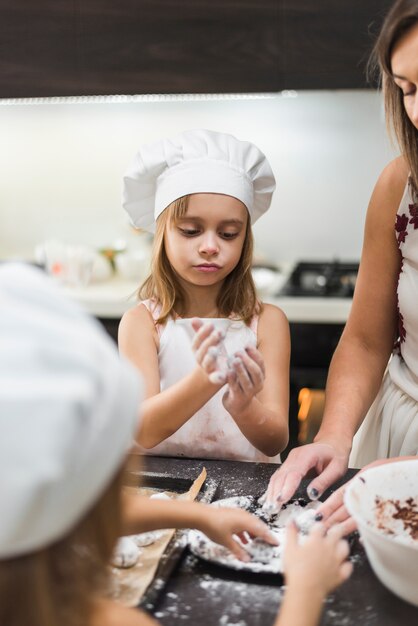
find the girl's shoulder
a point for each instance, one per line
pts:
(271, 312)
(145, 309)
(272, 319)
(141, 317)
(273, 325)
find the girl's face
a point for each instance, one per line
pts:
(405, 72)
(205, 245)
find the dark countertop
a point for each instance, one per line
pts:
(200, 593)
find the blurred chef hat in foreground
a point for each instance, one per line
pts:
(68, 411)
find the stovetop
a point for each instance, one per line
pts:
(329, 279)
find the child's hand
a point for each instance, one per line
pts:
(245, 381)
(318, 564)
(205, 345)
(221, 524)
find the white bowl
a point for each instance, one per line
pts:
(371, 498)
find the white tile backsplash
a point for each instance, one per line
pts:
(61, 167)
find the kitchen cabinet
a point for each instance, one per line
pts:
(326, 44)
(89, 47)
(38, 49)
(97, 47)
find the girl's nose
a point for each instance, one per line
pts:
(209, 244)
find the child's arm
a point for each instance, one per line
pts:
(258, 395)
(162, 412)
(107, 612)
(312, 570)
(142, 514)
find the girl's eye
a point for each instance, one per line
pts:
(228, 235)
(189, 232)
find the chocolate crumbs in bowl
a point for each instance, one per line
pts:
(398, 518)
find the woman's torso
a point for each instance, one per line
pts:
(403, 367)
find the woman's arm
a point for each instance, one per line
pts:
(263, 418)
(162, 412)
(362, 354)
(333, 510)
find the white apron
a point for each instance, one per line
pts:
(211, 433)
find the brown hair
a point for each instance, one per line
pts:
(401, 18)
(57, 585)
(237, 296)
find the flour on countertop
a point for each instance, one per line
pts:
(265, 558)
(129, 548)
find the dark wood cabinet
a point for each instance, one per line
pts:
(98, 47)
(326, 44)
(178, 46)
(38, 48)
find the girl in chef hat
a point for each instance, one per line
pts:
(200, 193)
(68, 412)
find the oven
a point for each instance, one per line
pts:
(312, 287)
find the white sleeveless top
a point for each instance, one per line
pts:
(390, 428)
(211, 433)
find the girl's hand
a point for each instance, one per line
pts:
(244, 381)
(205, 345)
(318, 565)
(221, 524)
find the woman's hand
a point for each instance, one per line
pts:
(244, 381)
(317, 564)
(329, 460)
(333, 510)
(221, 524)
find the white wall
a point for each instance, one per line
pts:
(61, 167)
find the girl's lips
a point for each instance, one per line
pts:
(207, 268)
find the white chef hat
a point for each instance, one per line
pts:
(196, 161)
(68, 411)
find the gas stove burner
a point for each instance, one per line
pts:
(330, 279)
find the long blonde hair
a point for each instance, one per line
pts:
(238, 295)
(401, 18)
(58, 584)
